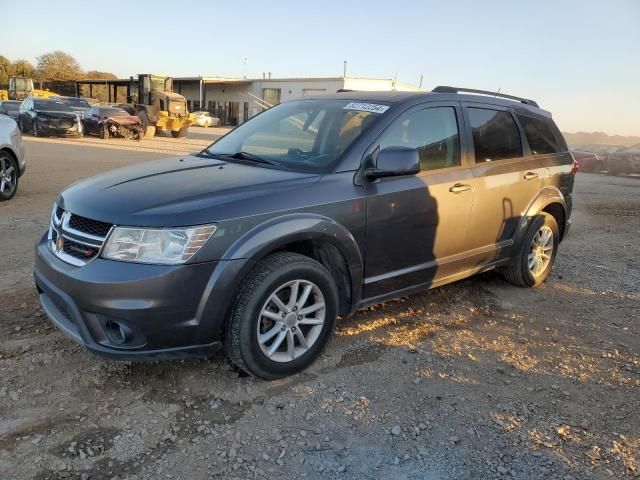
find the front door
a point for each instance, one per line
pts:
(417, 225)
(505, 181)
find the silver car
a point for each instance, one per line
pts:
(205, 119)
(12, 163)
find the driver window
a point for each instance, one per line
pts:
(433, 132)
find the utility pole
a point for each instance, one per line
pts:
(420, 86)
(344, 70)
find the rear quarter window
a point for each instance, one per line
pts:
(542, 135)
(495, 135)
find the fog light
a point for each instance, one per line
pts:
(117, 333)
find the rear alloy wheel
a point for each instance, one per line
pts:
(8, 177)
(283, 317)
(537, 253)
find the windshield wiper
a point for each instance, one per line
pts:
(242, 155)
(207, 153)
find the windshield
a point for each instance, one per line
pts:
(161, 84)
(305, 135)
(76, 102)
(51, 106)
(10, 106)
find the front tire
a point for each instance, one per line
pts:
(538, 250)
(283, 316)
(183, 132)
(148, 129)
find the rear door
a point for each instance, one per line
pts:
(506, 180)
(417, 224)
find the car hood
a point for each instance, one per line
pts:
(54, 114)
(182, 191)
(125, 120)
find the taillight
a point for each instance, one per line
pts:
(574, 168)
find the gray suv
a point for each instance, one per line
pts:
(305, 213)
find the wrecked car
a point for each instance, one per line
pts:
(41, 116)
(112, 122)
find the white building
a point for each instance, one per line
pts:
(235, 100)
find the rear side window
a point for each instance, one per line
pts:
(495, 135)
(543, 135)
(433, 132)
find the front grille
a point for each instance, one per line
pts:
(92, 227)
(78, 250)
(75, 239)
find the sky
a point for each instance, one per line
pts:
(579, 59)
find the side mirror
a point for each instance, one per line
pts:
(395, 162)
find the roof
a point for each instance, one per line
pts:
(394, 96)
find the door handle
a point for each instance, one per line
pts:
(530, 175)
(459, 188)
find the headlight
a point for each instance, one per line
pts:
(161, 246)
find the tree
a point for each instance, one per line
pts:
(99, 92)
(97, 75)
(24, 68)
(57, 66)
(6, 69)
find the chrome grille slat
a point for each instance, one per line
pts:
(75, 239)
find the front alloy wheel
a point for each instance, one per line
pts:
(291, 320)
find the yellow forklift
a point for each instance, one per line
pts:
(157, 106)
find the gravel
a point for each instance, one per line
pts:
(476, 379)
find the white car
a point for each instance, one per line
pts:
(12, 163)
(205, 119)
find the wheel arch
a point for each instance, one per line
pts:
(550, 200)
(314, 236)
(309, 234)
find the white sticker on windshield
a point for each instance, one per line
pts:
(367, 107)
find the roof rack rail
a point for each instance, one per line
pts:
(445, 89)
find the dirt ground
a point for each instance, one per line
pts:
(474, 380)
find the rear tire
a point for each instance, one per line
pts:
(531, 267)
(274, 330)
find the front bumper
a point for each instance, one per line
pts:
(133, 311)
(47, 129)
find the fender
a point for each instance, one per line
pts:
(277, 232)
(273, 234)
(545, 197)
